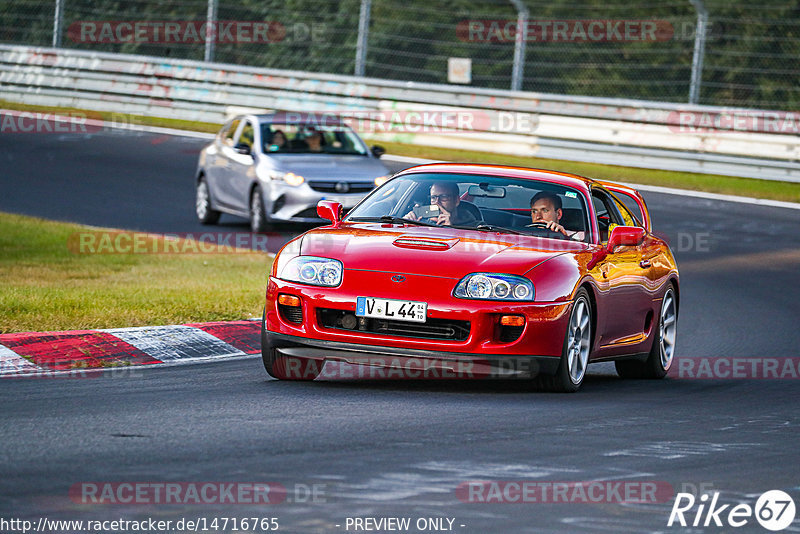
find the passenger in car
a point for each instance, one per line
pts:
(314, 141)
(546, 210)
(445, 196)
(279, 142)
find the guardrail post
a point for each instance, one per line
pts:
(363, 34)
(699, 51)
(519, 45)
(211, 30)
(58, 22)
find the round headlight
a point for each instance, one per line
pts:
(329, 274)
(502, 289)
(521, 291)
(308, 272)
(479, 287)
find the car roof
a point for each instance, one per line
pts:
(562, 178)
(301, 117)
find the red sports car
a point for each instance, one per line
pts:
(458, 270)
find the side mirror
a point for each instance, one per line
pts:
(328, 209)
(377, 151)
(243, 148)
(625, 236)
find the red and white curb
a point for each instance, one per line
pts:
(34, 354)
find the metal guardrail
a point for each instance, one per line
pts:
(611, 131)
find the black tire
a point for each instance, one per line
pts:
(284, 367)
(258, 216)
(662, 352)
(202, 204)
(569, 378)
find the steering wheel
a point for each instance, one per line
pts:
(538, 225)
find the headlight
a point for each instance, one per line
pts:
(313, 271)
(490, 286)
(288, 177)
(380, 180)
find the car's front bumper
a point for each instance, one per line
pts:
(409, 363)
(283, 202)
(541, 338)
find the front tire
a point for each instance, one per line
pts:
(662, 353)
(202, 206)
(577, 347)
(282, 367)
(258, 216)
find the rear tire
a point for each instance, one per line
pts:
(659, 361)
(284, 367)
(202, 206)
(258, 216)
(577, 347)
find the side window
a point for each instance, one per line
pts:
(607, 214)
(228, 139)
(633, 206)
(627, 218)
(247, 137)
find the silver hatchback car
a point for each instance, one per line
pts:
(275, 168)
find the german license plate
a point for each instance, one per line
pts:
(397, 310)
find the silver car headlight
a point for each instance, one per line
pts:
(289, 177)
(312, 270)
(493, 286)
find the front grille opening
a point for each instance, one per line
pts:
(352, 187)
(293, 314)
(510, 333)
(278, 204)
(446, 329)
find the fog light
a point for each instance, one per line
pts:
(512, 320)
(288, 300)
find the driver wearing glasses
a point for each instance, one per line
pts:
(546, 213)
(445, 208)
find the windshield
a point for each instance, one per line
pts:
(295, 138)
(482, 202)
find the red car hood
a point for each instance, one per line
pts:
(423, 250)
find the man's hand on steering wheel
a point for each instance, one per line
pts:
(550, 225)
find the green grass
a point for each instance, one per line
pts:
(747, 187)
(46, 285)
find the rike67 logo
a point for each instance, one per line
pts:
(774, 510)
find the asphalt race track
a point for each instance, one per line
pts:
(380, 448)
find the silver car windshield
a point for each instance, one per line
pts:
(295, 138)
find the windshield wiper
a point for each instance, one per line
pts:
(493, 228)
(391, 219)
(401, 220)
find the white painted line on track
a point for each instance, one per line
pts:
(422, 161)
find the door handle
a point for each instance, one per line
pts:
(644, 264)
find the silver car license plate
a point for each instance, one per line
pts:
(397, 310)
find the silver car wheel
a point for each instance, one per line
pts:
(255, 211)
(667, 329)
(580, 337)
(201, 201)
